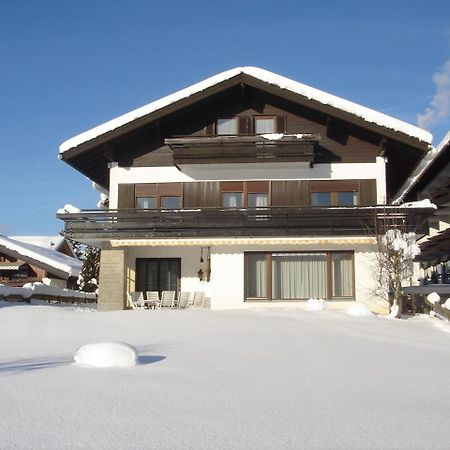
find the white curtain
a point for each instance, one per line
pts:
(232, 200)
(296, 276)
(263, 126)
(227, 126)
(256, 276)
(257, 200)
(342, 275)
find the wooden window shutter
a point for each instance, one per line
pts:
(244, 125)
(281, 124)
(126, 196)
(202, 194)
(368, 192)
(290, 193)
(209, 129)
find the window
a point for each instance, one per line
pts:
(232, 199)
(265, 124)
(146, 202)
(295, 276)
(170, 202)
(335, 193)
(321, 198)
(347, 198)
(227, 126)
(258, 200)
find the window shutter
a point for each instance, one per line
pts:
(290, 193)
(209, 129)
(243, 125)
(281, 124)
(126, 196)
(368, 192)
(202, 194)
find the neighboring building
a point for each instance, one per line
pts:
(249, 186)
(431, 180)
(28, 259)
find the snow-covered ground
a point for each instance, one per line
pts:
(206, 379)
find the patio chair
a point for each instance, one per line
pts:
(183, 299)
(198, 299)
(206, 303)
(167, 299)
(153, 300)
(136, 300)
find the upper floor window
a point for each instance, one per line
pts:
(265, 124)
(227, 126)
(335, 193)
(146, 202)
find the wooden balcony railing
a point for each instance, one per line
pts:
(240, 149)
(219, 222)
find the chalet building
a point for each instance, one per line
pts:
(30, 259)
(256, 189)
(431, 180)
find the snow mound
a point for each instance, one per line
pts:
(68, 209)
(107, 354)
(447, 303)
(359, 309)
(315, 304)
(433, 298)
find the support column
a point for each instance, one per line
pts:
(112, 288)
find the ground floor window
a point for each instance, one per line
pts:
(296, 276)
(158, 274)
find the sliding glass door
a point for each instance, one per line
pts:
(158, 274)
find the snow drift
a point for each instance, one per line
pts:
(107, 354)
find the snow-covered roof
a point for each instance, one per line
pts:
(369, 115)
(41, 241)
(37, 255)
(422, 167)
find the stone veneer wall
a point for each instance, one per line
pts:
(112, 289)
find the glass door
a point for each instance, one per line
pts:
(158, 274)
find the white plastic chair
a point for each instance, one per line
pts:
(183, 299)
(198, 299)
(153, 300)
(136, 300)
(167, 299)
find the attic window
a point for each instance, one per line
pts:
(265, 124)
(227, 126)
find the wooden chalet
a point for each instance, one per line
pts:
(269, 188)
(30, 259)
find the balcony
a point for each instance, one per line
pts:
(241, 149)
(248, 222)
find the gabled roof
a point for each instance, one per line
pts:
(422, 168)
(49, 259)
(337, 103)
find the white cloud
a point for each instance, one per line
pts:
(439, 107)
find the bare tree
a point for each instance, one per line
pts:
(396, 251)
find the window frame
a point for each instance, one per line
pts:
(234, 119)
(329, 276)
(265, 117)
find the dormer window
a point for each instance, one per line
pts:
(227, 126)
(265, 125)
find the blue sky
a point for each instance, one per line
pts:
(68, 66)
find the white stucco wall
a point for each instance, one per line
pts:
(226, 288)
(249, 171)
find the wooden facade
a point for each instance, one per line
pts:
(343, 137)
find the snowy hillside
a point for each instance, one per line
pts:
(223, 380)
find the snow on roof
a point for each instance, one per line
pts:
(52, 258)
(41, 241)
(369, 115)
(422, 167)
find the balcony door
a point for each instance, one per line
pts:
(158, 274)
